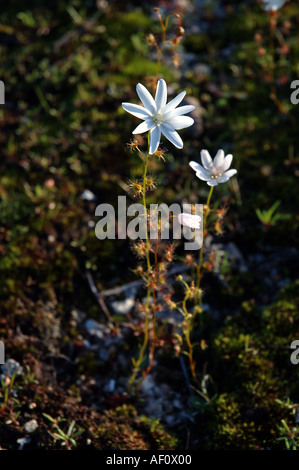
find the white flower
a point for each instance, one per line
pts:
(214, 171)
(273, 5)
(159, 117)
(190, 220)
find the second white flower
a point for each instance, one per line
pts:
(214, 171)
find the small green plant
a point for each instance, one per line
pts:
(268, 217)
(6, 386)
(289, 436)
(68, 438)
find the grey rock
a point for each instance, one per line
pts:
(233, 253)
(170, 420)
(177, 404)
(88, 195)
(103, 354)
(94, 328)
(31, 425)
(10, 368)
(123, 307)
(165, 389)
(147, 385)
(23, 441)
(110, 386)
(202, 70)
(154, 409)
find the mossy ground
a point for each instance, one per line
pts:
(67, 68)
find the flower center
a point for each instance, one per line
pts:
(215, 176)
(158, 118)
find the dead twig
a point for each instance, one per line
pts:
(98, 297)
(136, 284)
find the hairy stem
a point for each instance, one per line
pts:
(188, 340)
(140, 359)
(199, 266)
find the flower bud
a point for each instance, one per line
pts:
(258, 38)
(262, 51)
(181, 31)
(197, 310)
(151, 39)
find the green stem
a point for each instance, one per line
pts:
(146, 324)
(145, 207)
(188, 340)
(273, 92)
(160, 51)
(203, 235)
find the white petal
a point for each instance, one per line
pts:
(213, 182)
(173, 103)
(161, 94)
(180, 122)
(190, 220)
(179, 111)
(195, 166)
(206, 159)
(171, 135)
(218, 160)
(146, 98)
(227, 162)
(144, 126)
(203, 175)
(154, 139)
(226, 176)
(222, 179)
(136, 110)
(230, 173)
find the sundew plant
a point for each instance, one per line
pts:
(161, 117)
